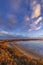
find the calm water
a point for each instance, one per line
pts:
(36, 46)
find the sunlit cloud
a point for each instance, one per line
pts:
(33, 26)
(21, 16)
(35, 22)
(38, 20)
(35, 9)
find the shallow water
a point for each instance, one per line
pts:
(36, 46)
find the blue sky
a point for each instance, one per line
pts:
(21, 17)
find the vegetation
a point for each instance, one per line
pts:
(10, 56)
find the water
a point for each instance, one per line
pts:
(36, 46)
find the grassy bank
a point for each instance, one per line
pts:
(10, 56)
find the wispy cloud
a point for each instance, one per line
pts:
(33, 26)
(38, 28)
(38, 20)
(19, 17)
(3, 32)
(29, 30)
(35, 9)
(26, 18)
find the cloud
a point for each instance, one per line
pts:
(41, 0)
(35, 22)
(38, 20)
(26, 21)
(33, 3)
(37, 28)
(3, 32)
(42, 3)
(29, 30)
(35, 9)
(21, 9)
(26, 18)
(33, 26)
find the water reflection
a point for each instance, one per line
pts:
(36, 46)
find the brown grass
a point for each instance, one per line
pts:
(11, 56)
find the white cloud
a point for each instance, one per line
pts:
(37, 28)
(33, 3)
(29, 30)
(3, 32)
(36, 7)
(33, 26)
(26, 18)
(35, 22)
(38, 20)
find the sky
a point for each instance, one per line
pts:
(21, 17)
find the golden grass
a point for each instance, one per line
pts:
(11, 56)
